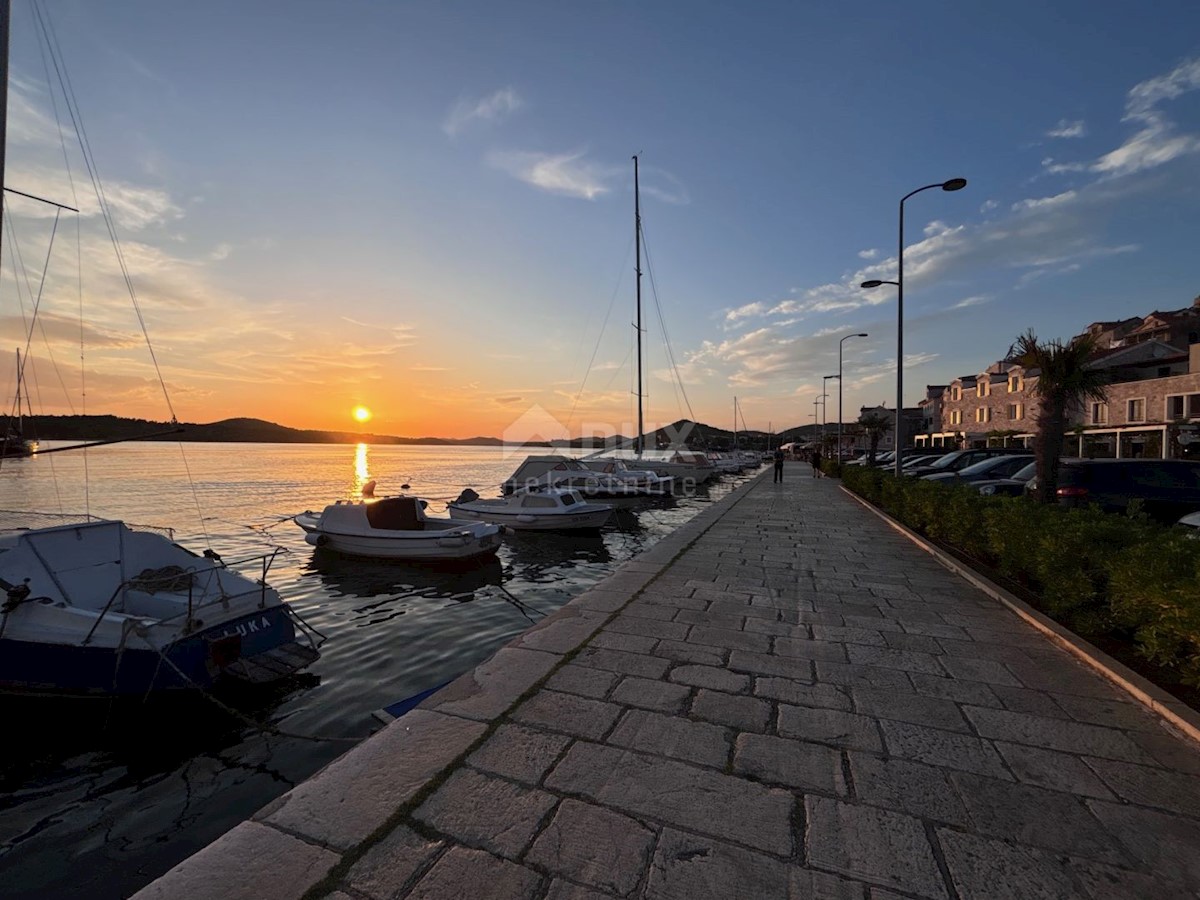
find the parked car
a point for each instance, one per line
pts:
(1013, 486)
(1192, 523)
(986, 469)
(922, 460)
(1167, 488)
(960, 459)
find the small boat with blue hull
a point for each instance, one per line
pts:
(100, 608)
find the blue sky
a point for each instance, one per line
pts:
(426, 207)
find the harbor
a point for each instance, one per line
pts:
(784, 697)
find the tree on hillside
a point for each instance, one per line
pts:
(874, 426)
(1065, 382)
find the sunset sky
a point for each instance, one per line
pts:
(426, 209)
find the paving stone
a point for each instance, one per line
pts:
(792, 763)
(523, 754)
(943, 748)
(871, 844)
(862, 676)
(389, 866)
(997, 870)
(1151, 786)
(561, 631)
(673, 736)
(565, 890)
(729, 639)
(830, 726)
(986, 670)
(462, 872)
(1168, 749)
(1036, 817)
(907, 707)
(720, 620)
(1054, 734)
(827, 696)
(691, 866)
(742, 713)
(662, 696)
(907, 787)
(678, 651)
(952, 689)
(569, 714)
(672, 631)
(779, 629)
(768, 664)
(1054, 770)
(1024, 700)
(629, 643)
(806, 649)
(600, 601)
(1161, 841)
(625, 663)
(594, 846)
(572, 679)
(486, 812)
(251, 862)
(849, 635)
(692, 798)
(1111, 883)
(809, 884)
(644, 610)
(675, 601)
(711, 677)
(355, 794)
(889, 658)
(494, 685)
(1111, 713)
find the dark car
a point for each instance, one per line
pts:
(960, 459)
(1007, 487)
(1167, 488)
(991, 468)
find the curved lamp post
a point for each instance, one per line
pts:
(954, 184)
(839, 378)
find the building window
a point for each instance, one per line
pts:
(956, 392)
(956, 417)
(1099, 413)
(983, 414)
(1175, 407)
(1016, 384)
(1164, 371)
(1135, 410)
(983, 388)
(1015, 411)
(1193, 406)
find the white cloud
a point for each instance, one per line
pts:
(492, 108)
(1066, 129)
(568, 174)
(757, 308)
(988, 206)
(1041, 202)
(976, 300)
(662, 185)
(868, 254)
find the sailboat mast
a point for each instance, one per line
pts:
(735, 424)
(5, 19)
(637, 268)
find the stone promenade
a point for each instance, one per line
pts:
(784, 699)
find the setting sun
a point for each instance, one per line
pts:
(361, 414)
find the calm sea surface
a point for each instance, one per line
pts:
(97, 799)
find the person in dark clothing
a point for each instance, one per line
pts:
(816, 462)
(778, 464)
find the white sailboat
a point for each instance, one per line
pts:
(97, 607)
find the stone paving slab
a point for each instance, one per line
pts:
(784, 698)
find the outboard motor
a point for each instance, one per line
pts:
(467, 496)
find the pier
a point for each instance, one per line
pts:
(785, 698)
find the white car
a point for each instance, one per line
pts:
(1191, 521)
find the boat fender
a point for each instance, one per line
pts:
(526, 518)
(322, 540)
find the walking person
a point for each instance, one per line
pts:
(816, 462)
(778, 464)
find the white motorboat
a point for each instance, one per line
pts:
(552, 509)
(640, 481)
(555, 471)
(687, 467)
(397, 528)
(99, 608)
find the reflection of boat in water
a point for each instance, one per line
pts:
(396, 528)
(369, 579)
(548, 550)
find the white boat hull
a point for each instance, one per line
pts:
(525, 521)
(434, 545)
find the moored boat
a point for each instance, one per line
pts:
(397, 528)
(553, 509)
(99, 608)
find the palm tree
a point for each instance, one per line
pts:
(874, 426)
(1065, 382)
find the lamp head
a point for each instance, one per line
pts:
(873, 283)
(864, 334)
(954, 184)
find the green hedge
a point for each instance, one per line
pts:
(1102, 575)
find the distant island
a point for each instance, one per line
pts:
(258, 431)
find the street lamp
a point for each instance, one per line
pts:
(825, 406)
(818, 400)
(839, 378)
(954, 184)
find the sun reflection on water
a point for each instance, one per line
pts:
(362, 471)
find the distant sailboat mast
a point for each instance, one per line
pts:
(637, 268)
